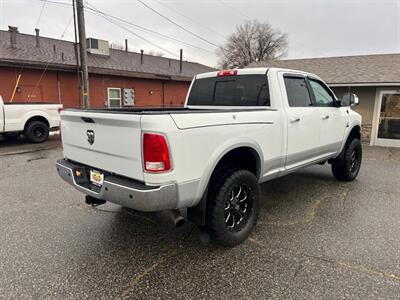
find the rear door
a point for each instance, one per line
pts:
(106, 141)
(333, 119)
(303, 122)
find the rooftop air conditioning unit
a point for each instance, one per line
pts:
(96, 46)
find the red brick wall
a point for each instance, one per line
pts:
(45, 91)
(148, 92)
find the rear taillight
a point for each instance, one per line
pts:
(59, 110)
(155, 153)
(227, 73)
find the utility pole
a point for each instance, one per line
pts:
(82, 51)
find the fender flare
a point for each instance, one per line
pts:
(33, 114)
(196, 211)
(218, 154)
(353, 125)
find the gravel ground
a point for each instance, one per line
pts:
(316, 238)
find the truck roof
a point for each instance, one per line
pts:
(249, 71)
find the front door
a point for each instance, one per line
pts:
(333, 119)
(388, 127)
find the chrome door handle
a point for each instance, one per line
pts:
(294, 120)
(325, 117)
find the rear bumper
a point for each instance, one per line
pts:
(120, 190)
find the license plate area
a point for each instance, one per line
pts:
(96, 177)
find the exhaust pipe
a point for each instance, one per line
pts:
(89, 200)
(177, 218)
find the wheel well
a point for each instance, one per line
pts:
(355, 133)
(241, 158)
(37, 118)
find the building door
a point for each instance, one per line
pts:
(387, 126)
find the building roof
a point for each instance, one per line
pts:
(60, 54)
(376, 69)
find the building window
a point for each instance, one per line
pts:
(114, 97)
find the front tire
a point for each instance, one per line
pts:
(36, 132)
(347, 165)
(233, 207)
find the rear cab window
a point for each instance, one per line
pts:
(240, 90)
(297, 91)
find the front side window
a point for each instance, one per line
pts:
(114, 97)
(323, 97)
(241, 90)
(297, 92)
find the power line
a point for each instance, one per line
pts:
(66, 27)
(91, 9)
(135, 34)
(176, 24)
(46, 67)
(190, 19)
(234, 9)
(40, 14)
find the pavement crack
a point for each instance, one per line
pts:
(28, 151)
(344, 194)
(36, 158)
(347, 265)
(135, 280)
(311, 215)
(147, 271)
(299, 267)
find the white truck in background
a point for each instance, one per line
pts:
(34, 120)
(238, 128)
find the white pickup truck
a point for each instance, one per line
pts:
(34, 120)
(238, 128)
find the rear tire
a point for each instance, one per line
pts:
(232, 207)
(347, 165)
(36, 132)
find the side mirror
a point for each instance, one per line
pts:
(350, 100)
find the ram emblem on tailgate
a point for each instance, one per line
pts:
(90, 136)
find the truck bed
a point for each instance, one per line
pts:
(162, 110)
(30, 103)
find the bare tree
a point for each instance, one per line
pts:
(252, 42)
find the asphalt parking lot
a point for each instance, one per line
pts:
(316, 238)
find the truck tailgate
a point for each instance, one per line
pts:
(116, 144)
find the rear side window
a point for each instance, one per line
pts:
(242, 90)
(297, 92)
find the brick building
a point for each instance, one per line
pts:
(48, 69)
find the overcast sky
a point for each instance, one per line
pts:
(315, 28)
